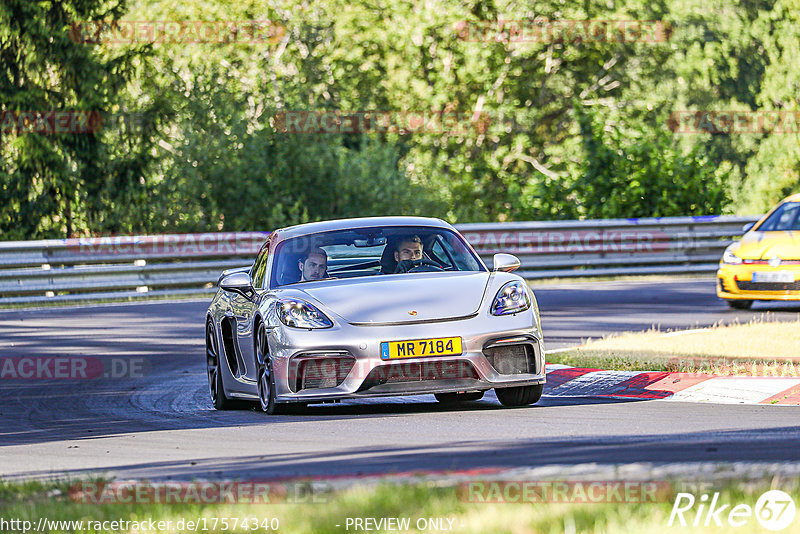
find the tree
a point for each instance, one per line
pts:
(55, 183)
(642, 172)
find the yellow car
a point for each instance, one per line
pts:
(765, 264)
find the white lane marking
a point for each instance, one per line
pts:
(556, 367)
(567, 349)
(734, 390)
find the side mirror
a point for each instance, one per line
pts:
(238, 283)
(746, 228)
(505, 263)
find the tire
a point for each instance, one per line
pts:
(214, 370)
(266, 389)
(519, 396)
(740, 304)
(455, 398)
(266, 379)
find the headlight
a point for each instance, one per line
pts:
(512, 298)
(729, 257)
(301, 314)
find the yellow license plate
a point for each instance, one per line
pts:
(420, 348)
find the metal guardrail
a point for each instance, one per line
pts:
(610, 247)
(120, 267)
(139, 266)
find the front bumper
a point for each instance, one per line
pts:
(735, 282)
(469, 371)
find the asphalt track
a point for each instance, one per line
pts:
(159, 424)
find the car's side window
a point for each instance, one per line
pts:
(441, 255)
(456, 253)
(260, 267)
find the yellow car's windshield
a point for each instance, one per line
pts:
(786, 217)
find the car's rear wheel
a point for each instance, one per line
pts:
(214, 368)
(266, 378)
(519, 396)
(740, 304)
(455, 398)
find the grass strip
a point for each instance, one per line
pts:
(761, 347)
(450, 505)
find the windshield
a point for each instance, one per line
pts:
(402, 250)
(786, 217)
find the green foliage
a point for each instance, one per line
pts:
(774, 171)
(643, 173)
(567, 128)
(56, 184)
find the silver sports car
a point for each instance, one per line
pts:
(372, 307)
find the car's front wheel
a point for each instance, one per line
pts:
(214, 370)
(266, 378)
(740, 304)
(519, 396)
(455, 398)
(266, 389)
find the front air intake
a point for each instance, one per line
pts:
(723, 286)
(429, 372)
(512, 358)
(321, 372)
(768, 286)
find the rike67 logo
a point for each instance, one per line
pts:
(774, 510)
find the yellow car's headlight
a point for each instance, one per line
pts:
(729, 255)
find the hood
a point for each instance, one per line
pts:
(765, 245)
(390, 298)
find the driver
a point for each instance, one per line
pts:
(407, 252)
(313, 264)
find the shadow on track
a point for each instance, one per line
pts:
(773, 444)
(36, 413)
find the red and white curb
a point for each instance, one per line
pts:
(565, 381)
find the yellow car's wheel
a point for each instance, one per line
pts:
(740, 304)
